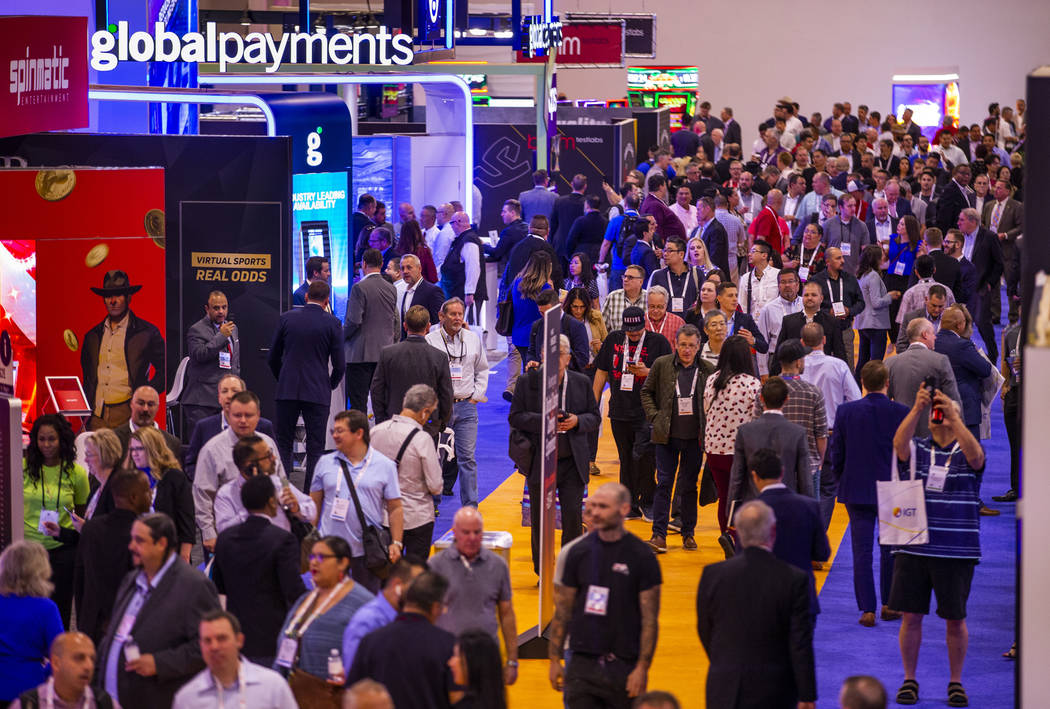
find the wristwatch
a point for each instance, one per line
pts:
(399, 544)
(512, 663)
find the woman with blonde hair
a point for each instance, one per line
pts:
(31, 619)
(102, 453)
(172, 493)
(696, 255)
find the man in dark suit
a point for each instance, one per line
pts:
(143, 353)
(103, 558)
(413, 361)
(802, 539)
(537, 240)
(1005, 218)
(362, 221)
(214, 348)
(955, 197)
(712, 233)
(515, 229)
(946, 269)
(771, 430)
(713, 145)
(570, 326)
(539, 200)
(418, 291)
(588, 231)
(791, 326)
(580, 417)
(158, 609)
(257, 568)
(317, 268)
(932, 309)
(753, 611)
(371, 324)
(144, 405)
(732, 128)
(212, 426)
(861, 453)
(705, 186)
(306, 341)
(981, 247)
(567, 209)
(737, 321)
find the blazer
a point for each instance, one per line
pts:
(968, 284)
(947, 272)
(732, 133)
(753, 612)
(519, 258)
(428, 295)
(801, 538)
(743, 321)
(526, 416)
(716, 239)
(902, 337)
(565, 211)
(970, 370)
(204, 343)
(206, 429)
(403, 365)
(861, 447)
(371, 319)
(123, 432)
(299, 294)
(538, 200)
(143, 349)
(257, 568)
(791, 329)
(644, 255)
(952, 200)
(1011, 223)
(587, 234)
(787, 439)
(910, 368)
(575, 330)
(876, 313)
(166, 627)
(667, 222)
(174, 497)
(103, 559)
(509, 237)
(987, 258)
(306, 341)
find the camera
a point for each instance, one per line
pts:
(937, 415)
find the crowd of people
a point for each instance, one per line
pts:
(739, 304)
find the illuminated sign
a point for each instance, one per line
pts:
(644, 78)
(434, 22)
(539, 37)
(118, 44)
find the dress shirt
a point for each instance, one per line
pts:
(419, 475)
(430, 236)
(686, 216)
(375, 479)
(464, 350)
(915, 297)
(256, 687)
(883, 231)
(791, 205)
(229, 510)
(442, 243)
(143, 588)
(371, 616)
(969, 241)
(668, 327)
(114, 385)
(405, 294)
(215, 468)
(833, 377)
(756, 291)
(769, 322)
(615, 304)
(471, 257)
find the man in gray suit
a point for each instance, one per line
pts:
(538, 200)
(214, 349)
(848, 234)
(371, 324)
(1005, 217)
(771, 430)
(912, 366)
(936, 300)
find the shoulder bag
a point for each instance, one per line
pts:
(902, 507)
(505, 316)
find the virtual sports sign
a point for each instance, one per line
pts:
(118, 44)
(538, 36)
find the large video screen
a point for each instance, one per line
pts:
(929, 104)
(373, 169)
(320, 223)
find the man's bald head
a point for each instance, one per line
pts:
(954, 320)
(467, 531)
(467, 514)
(144, 404)
(67, 642)
(367, 694)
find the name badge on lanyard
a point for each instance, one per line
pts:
(456, 371)
(626, 382)
(846, 248)
(225, 359)
(838, 308)
(340, 508)
(936, 478)
(899, 268)
(597, 600)
(286, 653)
(685, 405)
(677, 304)
(803, 273)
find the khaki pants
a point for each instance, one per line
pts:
(113, 416)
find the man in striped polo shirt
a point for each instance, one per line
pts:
(948, 462)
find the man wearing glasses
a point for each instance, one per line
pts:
(631, 295)
(462, 275)
(679, 279)
(953, 247)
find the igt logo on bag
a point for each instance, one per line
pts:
(904, 512)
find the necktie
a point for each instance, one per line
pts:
(997, 214)
(404, 301)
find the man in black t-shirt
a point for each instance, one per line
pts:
(608, 602)
(624, 361)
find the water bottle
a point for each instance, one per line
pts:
(335, 665)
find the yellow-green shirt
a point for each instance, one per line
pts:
(75, 491)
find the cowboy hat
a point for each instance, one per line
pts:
(116, 283)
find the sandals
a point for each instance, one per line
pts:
(909, 692)
(957, 695)
(1011, 654)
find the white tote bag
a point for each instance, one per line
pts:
(902, 508)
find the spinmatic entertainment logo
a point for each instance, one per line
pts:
(313, 142)
(434, 7)
(40, 80)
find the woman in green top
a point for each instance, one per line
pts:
(53, 485)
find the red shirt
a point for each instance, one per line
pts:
(772, 229)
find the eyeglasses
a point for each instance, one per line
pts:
(268, 455)
(321, 557)
(673, 251)
(632, 278)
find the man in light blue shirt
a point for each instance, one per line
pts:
(631, 201)
(229, 679)
(382, 609)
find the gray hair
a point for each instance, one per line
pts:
(419, 397)
(657, 290)
(25, 570)
(367, 692)
(755, 524)
(712, 314)
(411, 257)
(452, 301)
(917, 328)
(564, 346)
(971, 214)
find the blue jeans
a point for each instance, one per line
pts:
(862, 519)
(465, 424)
(679, 456)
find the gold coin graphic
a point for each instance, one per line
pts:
(53, 185)
(96, 256)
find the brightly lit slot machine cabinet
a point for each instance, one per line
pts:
(931, 97)
(657, 86)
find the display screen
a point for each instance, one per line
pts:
(657, 78)
(373, 168)
(929, 104)
(320, 218)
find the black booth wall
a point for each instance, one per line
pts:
(228, 195)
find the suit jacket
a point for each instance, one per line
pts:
(526, 415)
(667, 222)
(587, 234)
(426, 294)
(403, 365)
(732, 133)
(801, 538)
(143, 349)
(716, 239)
(967, 284)
(206, 429)
(166, 627)
(791, 329)
(951, 201)
(509, 237)
(743, 321)
(306, 341)
(787, 439)
(643, 255)
(299, 294)
(870, 224)
(753, 612)
(849, 290)
(103, 559)
(1011, 222)
(519, 258)
(204, 343)
(910, 368)
(371, 319)
(987, 258)
(946, 272)
(572, 328)
(538, 200)
(703, 187)
(902, 337)
(903, 209)
(124, 434)
(566, 210)
(257, 568)
(861, 448)
(970, 370)
(708, 146)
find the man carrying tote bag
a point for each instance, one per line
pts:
(947, 464)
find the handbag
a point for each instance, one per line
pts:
(505, 317)
(902, 507)
(314, 692)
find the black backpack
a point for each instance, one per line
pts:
(626, 240)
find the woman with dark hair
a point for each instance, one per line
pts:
(53, 485)
(413, 242)
(706, 303)
(874, 321)
(729, 402)
(716, 276)
(581, 275)
(314, 626)
(905, 246)
(476, 666)
(172, 492)
(535, 277)
(579, 305)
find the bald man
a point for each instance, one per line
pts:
(72, 667)
(367, 694)
(145, 403)
(462, 271)
(479, 587)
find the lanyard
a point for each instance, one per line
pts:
(776, 221)
(654, 328)
(933, 455)
(685, 282)
(240, 688)
(802, 256)
(462, 346)
(637, 351)
(357, 480)
(294, 629)
(49, 695)
(564, 389)
(58, 497)
(832, 291)
(692, 387)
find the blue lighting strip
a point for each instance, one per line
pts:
(149, 96)
(329, 79)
